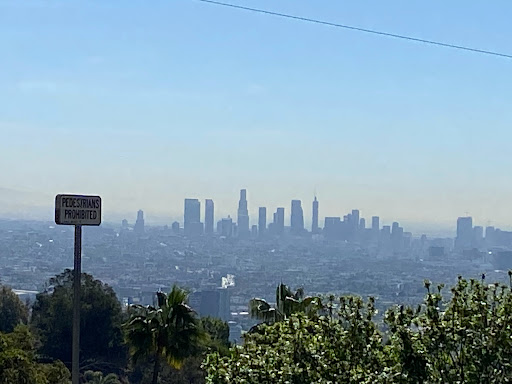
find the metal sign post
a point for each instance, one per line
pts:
(77, 273)
(77, 210)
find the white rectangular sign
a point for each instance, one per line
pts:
(77, 210)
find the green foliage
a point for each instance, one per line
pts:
(12, 310)
(216, 334)
(287, 303)
(464, 340)
(189, 373)
(467, 340)
(92, 377)
(169, 331)
(345, 349)
(56, 372)
(214, 337)
(18, 363)
(101, 342)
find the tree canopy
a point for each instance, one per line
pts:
(101, 342)
(168, 331)
(18, 361)
(216, 334)
(464, 339)
(12, 310)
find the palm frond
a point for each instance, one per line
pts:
(299, 293)
(257, 306)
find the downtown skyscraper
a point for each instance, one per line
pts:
(139, 223)
(243, 215)
(297, 217)
(278, 223)
(192, 218)
(464, 233)
(208, 216)
(262, 221)
(314, 225)
(375, 224)
(355, 219)
(375, 228)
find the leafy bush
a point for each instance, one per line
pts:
(467, 339)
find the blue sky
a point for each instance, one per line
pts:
(146, 103)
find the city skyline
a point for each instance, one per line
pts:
(239, 154)
(406, 131)
(295, 221)
(469, 239)
(173, 213)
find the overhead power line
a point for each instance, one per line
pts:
(358, 29)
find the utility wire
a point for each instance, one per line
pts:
(372, 31)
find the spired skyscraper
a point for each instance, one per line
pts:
(243, 215)
(314, 225)
(192, 218)
(208, 216)
(297, 218)
(139, 223)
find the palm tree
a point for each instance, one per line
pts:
(170, 330)
(287, 303)
(92, 377)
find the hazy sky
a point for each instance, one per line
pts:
(146, 103)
